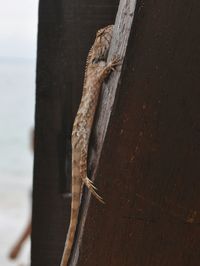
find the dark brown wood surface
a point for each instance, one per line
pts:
(121, 34)
(66, 32)
(149, 168)
(148, 172)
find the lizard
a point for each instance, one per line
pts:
(96, 71)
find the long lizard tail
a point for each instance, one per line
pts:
(75, 204)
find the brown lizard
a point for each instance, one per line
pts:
(97, 70)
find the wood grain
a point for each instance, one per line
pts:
(66, 31)
(148, 170)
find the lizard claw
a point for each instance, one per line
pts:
(92, 184)
(92, 189)
(116, 61)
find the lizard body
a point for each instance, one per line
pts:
(97, 69)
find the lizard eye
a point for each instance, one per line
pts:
(100, 32)
(95, 61)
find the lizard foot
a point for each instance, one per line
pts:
(92, 189)
(116, 61)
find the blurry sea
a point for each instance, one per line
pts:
(17, 90)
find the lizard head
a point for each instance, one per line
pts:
(104, 31)
(100, 48)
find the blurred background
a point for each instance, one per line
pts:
(18, 37)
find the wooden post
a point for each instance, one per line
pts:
(148, 170)
(146, 161)
(66, 31)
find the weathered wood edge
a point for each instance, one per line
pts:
(118, 47)
(121, 33)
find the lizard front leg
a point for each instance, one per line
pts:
(110, 66)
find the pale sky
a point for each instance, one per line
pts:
(18, 28)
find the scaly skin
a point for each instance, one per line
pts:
(96, 71)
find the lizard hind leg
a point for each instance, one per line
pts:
(83, 174)
(92, 189)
